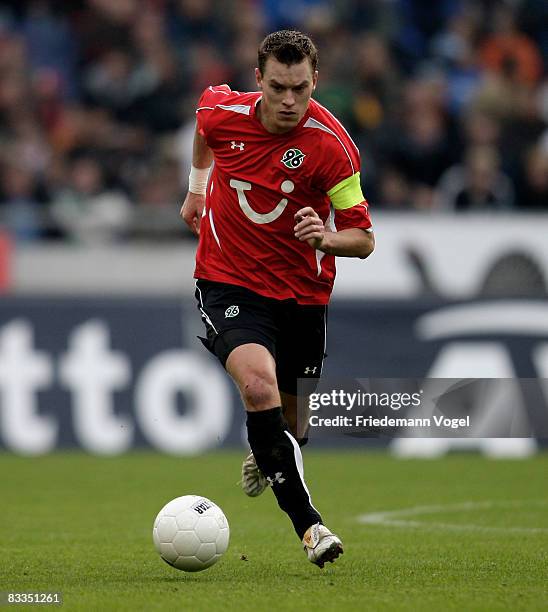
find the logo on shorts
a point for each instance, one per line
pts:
(310, 370)
(293, 158)
(232, 311)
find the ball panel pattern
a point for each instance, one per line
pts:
(186, 543)
(206, 552)
(221, 542)
(187, 520)
(166, 529)
(207, 529)
(189, 564)
(168, 552)
(177, 505)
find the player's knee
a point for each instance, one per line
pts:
(259, 391)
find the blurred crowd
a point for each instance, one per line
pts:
(447, 100)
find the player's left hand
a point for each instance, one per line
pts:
(309, 227)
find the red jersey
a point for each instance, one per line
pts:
(258, 182)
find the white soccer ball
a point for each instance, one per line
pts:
(191, 533)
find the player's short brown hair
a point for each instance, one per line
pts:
(288, 47)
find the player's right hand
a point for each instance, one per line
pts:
(191, 211)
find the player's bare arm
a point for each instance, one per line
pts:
(202, 157)
(354, 242)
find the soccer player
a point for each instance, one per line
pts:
(274, 195)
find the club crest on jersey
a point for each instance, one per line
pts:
(293, 158)
(232, 311)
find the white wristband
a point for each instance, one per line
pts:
(197, 180)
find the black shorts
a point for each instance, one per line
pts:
(294, 334)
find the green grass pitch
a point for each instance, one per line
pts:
(472, 534)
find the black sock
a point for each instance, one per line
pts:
(279, 458)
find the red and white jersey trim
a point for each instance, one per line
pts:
(315, 124)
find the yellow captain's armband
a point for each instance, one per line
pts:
(347, 193)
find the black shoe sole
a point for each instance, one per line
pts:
(330, 555)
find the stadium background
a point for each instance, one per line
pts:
(109, 406)
(448, 102)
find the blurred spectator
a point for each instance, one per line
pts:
(419, 21)
(420, 149)
(532, 186)
(116, 81)
(480, 128)
(454, 47)
(51, 45)
(103, 24)
(532, 16)
(542, 102)
(87, 210)
(158, 190)
(477, 185)
(20, 211)
(284, 14)
(337, 86)
(394, 191)
(161, 108)
(192, 21)
(508, 46)
(380, 16)
(378, 82)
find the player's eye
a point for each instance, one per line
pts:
(277, 88)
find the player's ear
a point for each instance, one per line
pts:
(258, 78)
(314, 80)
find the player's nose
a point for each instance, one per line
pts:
(289, 98)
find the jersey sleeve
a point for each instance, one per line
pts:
(339, 178)
(356, 216)
(205, 111)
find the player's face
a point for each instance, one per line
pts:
(286, 93)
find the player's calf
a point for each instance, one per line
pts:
(279, 459)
